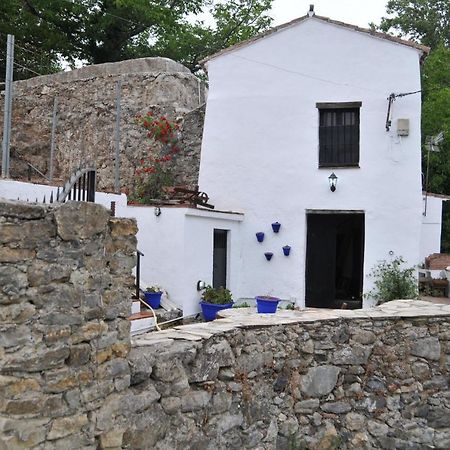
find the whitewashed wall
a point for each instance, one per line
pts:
(260, 146)
(178, 249)
(430, 236)
(14, 190)
(177, 245)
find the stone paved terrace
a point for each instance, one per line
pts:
(235, 318)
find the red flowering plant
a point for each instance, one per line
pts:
(155, 171)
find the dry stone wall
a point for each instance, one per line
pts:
(65, 280)
(348, 383)
(86, 118)
(71, 378)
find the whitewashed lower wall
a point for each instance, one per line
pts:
(178, 250)
(18, 190)
(178, 246)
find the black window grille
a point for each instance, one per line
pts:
(338, 137)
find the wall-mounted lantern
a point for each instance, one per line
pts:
(332, 179)
(201, 285)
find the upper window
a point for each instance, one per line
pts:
(338, 134)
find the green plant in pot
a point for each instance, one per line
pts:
(214, 300)
(153, 296)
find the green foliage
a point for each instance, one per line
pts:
(393, 282)
(436, 117)
(426, 21)
(445, 240)
(98, 31)
(217, 296)
(156, 170)
(154, 289)
(241, 305)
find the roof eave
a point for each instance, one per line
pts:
(396, 40)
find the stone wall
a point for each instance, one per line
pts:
(71, 378)
(86, 116)
(336, 380)
(65, 280)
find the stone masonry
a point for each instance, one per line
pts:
(86, 119)
(65, 279)
(312, 379)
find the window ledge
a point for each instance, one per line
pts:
(339, 166)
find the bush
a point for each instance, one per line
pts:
(393, 282)
(217, 296)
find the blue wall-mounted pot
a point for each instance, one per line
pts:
(268, 255)
(286, 250)
(276, 227)
(260, 236)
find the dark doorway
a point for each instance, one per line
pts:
(334, 260)
(220, 258)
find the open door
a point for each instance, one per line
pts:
(334, 260)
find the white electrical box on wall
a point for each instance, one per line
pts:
(402, 127)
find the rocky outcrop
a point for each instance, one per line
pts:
(86, 119)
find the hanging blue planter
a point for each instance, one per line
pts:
(276, 227)
(286, 250)
(260, 236)
(268, 255)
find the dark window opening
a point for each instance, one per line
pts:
(220, 258)
(338, 136)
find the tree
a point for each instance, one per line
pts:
(436, 118)
(235, 21)
(425, 21)
(428, 22)
(97, 31)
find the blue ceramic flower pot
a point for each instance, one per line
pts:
(276, 227)
(260, 236)
(153, 299)
(209, 310)
(267, 305)
(268, 255)
(286, 250)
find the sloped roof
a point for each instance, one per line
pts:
(442, 196)
(376, 34)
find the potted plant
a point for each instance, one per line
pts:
(215, 299)
(153, 296)
(266, 304)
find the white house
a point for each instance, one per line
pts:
(287, 109)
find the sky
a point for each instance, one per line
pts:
(355, 12)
